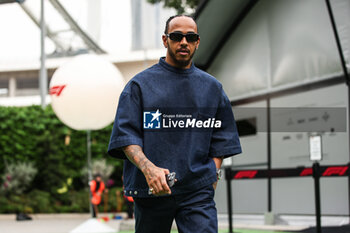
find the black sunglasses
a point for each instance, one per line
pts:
(177, 36)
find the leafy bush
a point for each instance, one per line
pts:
(9, 206)
(80, 201)
(17, 177)
(99, 166)
(36, 135)
(40, 201)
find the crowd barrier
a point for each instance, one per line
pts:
(316, 171)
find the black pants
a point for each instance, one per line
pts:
(193, 212)
(130, 208)
(93, 211)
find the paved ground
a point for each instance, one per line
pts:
(41, 223)
(39, 226)
(64, 223)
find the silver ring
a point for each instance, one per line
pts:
(151, 190)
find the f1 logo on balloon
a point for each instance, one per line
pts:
(85, 91)
(57, 90)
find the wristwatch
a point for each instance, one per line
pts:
(218, 173)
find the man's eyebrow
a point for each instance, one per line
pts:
(189, 32)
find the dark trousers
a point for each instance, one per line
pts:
(193, 212)
(130, 208)
(93, 211)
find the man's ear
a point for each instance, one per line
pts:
(165, 41)
(199, 39)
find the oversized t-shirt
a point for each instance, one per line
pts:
(181, 118)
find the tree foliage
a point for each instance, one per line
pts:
(101, 167)
(35, 135)
(181, 6)
(17, 177)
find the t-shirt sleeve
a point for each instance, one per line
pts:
(127, 127)
(225, 140)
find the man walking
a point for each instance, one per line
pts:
(174, 117)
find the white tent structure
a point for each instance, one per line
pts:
(273, 54)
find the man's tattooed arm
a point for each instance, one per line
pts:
(137, 157)
(155, 176)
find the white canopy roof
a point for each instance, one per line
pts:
(263, 46)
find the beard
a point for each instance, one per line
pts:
(181, 63)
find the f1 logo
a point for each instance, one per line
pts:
(335, 171)
(306, 172)
(57, 90)
(246, 174)
(151, 120)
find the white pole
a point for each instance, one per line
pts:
(43, 74)
(88, 147)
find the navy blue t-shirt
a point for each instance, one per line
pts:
(182, 119)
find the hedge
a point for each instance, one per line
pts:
(33, 134)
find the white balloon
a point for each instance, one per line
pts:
(85, 92)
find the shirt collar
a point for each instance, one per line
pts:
(171, 68)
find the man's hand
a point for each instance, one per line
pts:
(155, 176)
(214, 185)
(156, 179)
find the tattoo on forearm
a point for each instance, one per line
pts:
(137, 157)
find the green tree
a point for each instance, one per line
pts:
(181, 6)
(101, 167)
(18, 177)
(33, 134)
